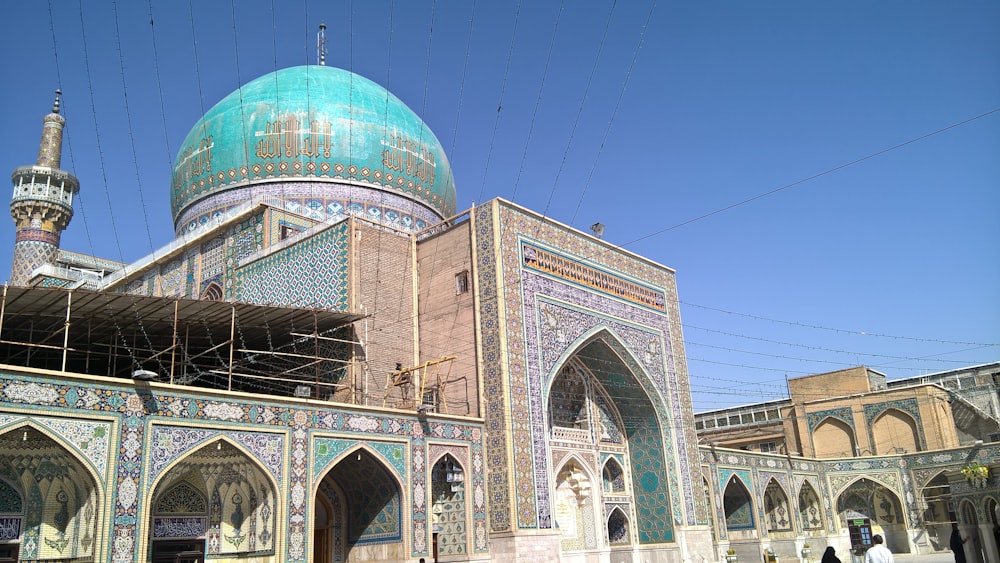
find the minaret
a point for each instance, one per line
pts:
(43, 202)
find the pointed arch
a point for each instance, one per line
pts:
(569, 405)
(59, 494)
(449, 509)
(895, 431)
(810, 509)
(777, 511)
(574, 505)
(737, 505)
(613, 476)
(833, 437)
(867, 497)
(373, 498)
(239, 512)
(618, 528)
(212, 292)
(967, 515)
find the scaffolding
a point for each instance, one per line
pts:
(284, 351)
(415, 379)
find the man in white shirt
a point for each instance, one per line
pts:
(878, 553)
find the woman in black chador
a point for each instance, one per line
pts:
(829, 556)
(958, 544)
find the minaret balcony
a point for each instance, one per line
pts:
(51, 185)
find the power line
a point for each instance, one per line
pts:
(832, 329)
(814, 176)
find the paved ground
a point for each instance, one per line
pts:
(940, 557)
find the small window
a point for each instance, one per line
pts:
(710, 423)
(287, 231)
(768, 447)
(699, 425)
(734, 420)
(462, 282)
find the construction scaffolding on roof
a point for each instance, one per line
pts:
(284, 351)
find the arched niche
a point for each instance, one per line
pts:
(449, 507)
(217, 501)
(370, 521)
(613, 477)
(737, 506)
(895, 431)
(601, 377)
(570, 404)
(810, 508)
(51, 501)
(618, 529)
(834, 438)
(870, 499)
(574, 506)
(777, 513)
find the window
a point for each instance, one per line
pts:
(768, 447)
(699, 425)
(462, 282)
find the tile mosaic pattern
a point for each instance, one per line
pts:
(318, 201)
(842, 414)
(289, 276)
(495, 390)
(518, 378)
(91, 439)
(131, 449)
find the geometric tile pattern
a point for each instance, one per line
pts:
(493, 369)
(288, 276)
(843, 414)
(90, 438)
(271, 452)
(318, 202)
(513, 377)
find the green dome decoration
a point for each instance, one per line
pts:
(312, 123)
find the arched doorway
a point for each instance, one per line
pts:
(738, 508)
(602, 412)
(869, 499)
(214, 502)
(49, 505)
(937, 515)
(358, 504)
(448, 510)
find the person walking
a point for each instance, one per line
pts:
(878, 553)
(830, 555)
(957, 544)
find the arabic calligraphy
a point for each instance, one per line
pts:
(289, 137)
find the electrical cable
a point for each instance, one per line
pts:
(814, 176)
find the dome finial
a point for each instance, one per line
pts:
(321, 44)
(55, 104)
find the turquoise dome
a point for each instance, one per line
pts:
(309, 124)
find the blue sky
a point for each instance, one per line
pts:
(640, 116)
